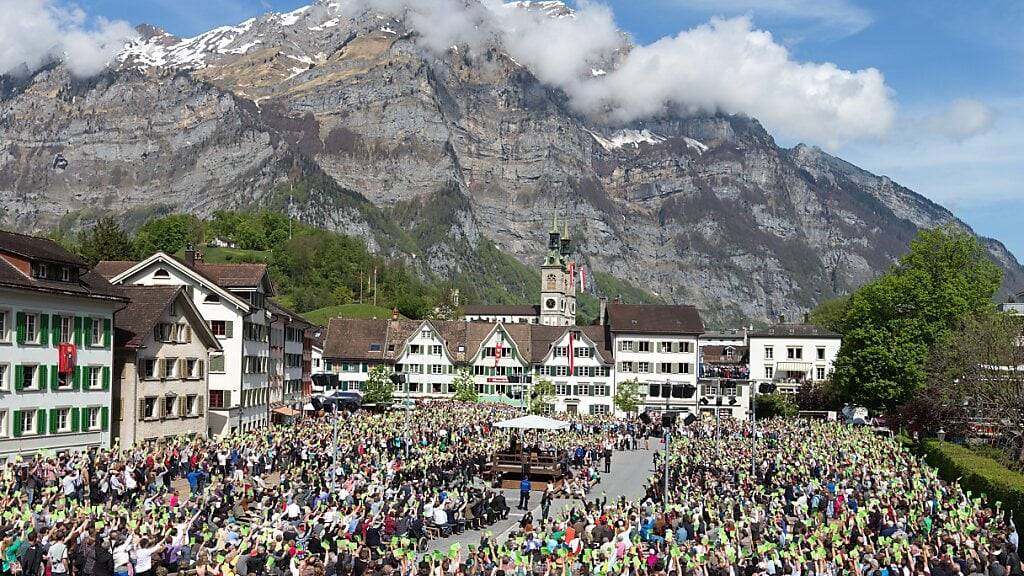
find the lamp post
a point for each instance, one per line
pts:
(941, 435)
(666, 424)
(334, 447)
(755, 389)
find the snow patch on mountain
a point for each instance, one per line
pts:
(290, 18)
(628, 137)
(552, 8)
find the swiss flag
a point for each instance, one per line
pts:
(572, 273)
(572, 354)
(497, 353)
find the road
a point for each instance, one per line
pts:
(630, 470)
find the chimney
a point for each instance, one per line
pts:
(782, 318)
(602, 316)
(190, 255)
(199, 256)
(618, 299)
(394, 314)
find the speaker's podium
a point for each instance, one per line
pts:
(542, 468)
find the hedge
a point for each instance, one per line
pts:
(979, 475)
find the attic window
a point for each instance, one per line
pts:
(161, 273)
(39, 270)
(374, 347)
(391, 347)
(211, 299)
(462, 348)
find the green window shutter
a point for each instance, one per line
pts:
(55, 329)
(76, 378)
(78, 331)
(104, 418)
(217, 363)
(19, 377)
(87, 330)
(16, 425)
(54, 378)
(53, 420)
(106, 378)
(76, 419)
(106, 333)
(44, 329)
(21, 327)
(41, 378)
(229, 328)
(40, 421)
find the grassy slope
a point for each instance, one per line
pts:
(322, 315)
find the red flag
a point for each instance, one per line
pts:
(583, 279)
(572, 273)
(572, 354)
(497, 353)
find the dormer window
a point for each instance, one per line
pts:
(65, 274)
(40, 270)
(374, 347)
(161, 273)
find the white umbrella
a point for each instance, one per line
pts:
(533, 422)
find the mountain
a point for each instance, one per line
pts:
(346, 121)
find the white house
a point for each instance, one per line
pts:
(584, 382)
(49, 301)
(793, 354)
(232, 299)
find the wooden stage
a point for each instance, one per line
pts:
(510, 467)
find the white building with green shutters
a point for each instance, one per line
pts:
(48, 297)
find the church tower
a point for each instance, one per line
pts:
(557, 287)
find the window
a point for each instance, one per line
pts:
(162, 332)
(559, 351)
(643, 346)
(769, 371)
(63, 420)
(684, 368)
(584, 352)
(170, 407)
(184, 335)
(4, 373)
(148, 368)
(5, 323)
(600, 389)
(437, 369)
(374, 347)
(664, 347)
(426, 333)
(96, 334)
(94, 372)
(219, 399)
(29, 377)
(625, 366)
(219, 328)
(92, 419)
(435, 350)
(40, 270)
(67, 328)
(625, 345)
(643, 367)
(161, 273)
(32, 328)
(769, 353)
(794, 352)
(462, 348)
(192, 405)
(65, 274)
(598, 409)
(3, 423)
(686, 347)
(217, 363)
(194, 368)
(28, 422)
(583, 389)
(821, 352)
(819, 373)
(211, 299)
(148, 408)
(562, 389)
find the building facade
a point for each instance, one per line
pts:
(161, 361)
(232, 300)
(56, 348)
(790, 355)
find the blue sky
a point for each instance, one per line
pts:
(932, 53)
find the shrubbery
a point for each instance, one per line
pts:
(979, 475)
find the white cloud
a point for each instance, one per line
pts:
(961, 119)
(725, 65)
(838, 16)
(34, 32)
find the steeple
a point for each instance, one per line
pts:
(565, 247)
(554, 242)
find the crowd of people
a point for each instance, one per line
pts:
(795, 498)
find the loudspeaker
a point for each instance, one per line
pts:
(645, 417)
(689, 419)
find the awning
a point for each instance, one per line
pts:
(793, 367)
(533, 422)
(309, 408)
(286, 411)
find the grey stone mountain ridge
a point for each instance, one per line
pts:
(361, 130)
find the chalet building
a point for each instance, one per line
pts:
(790, 355)
(56, 348)
(232, 299)
(289, 371)
(161, 361)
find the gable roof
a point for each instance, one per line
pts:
(89, 285)
(543, 337)
(147, 305)
(716, 354)
(654, 319)
(795, 331)
(243, 275)
(36, 248)
(277, 308)
(177, 265)
(111, 268)
(352, 338)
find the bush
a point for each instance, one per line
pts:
(979, 475)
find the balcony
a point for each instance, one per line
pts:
(1015, 308)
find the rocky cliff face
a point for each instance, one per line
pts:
(351, 122)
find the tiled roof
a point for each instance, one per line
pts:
(501, 310)
(233, 275)
(356, 339)
(35, 248)
(795, 331)
(276, 307)
(716, 354)
(89, 285)
(134, 323)
(654, 319)
(111, 268)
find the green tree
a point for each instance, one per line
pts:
(542, 396)
(168, 234)
(627, 396)
(895, 322)
(829, 313)
(464, 386)
(379, 388)
(105, 240)
(775, 405)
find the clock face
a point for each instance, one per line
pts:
(550, 303)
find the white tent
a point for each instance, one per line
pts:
(533, 422)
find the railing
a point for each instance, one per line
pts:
(1015, 308)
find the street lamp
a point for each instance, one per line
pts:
(762, 388)
(941, 435)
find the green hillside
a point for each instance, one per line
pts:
(322, 315)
